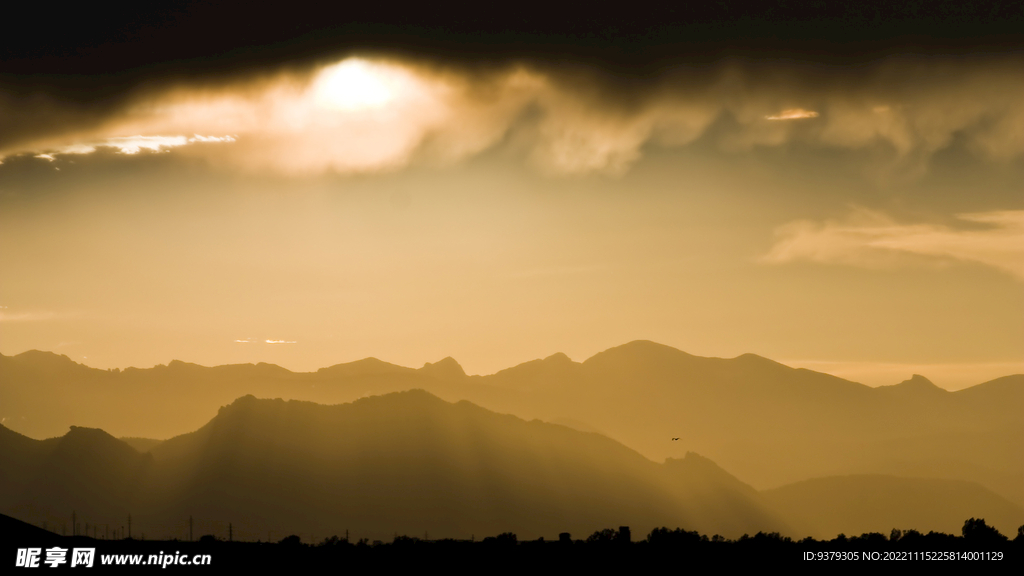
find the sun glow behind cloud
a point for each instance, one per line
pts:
(356, 84)
(364, 115)
(353, 116)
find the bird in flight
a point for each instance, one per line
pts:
(674, 439)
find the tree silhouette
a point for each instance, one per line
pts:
(976, 530)
(507, 538)
(678, 537)
(602, 536)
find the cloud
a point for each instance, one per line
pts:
(280, 341)
(373, 114)
(130, 145)
(793, 114)
(198, 138)
(871, 239)
(38, 316)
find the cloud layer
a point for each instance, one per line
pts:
(872, 239)
(361, 115)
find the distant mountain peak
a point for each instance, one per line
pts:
(559, 358)
(539, 371)
(645, 345)
(43, 360)
(84, 431)
(93, 443)
(42, 354)
(250, 402)
(917, 380)
(364, 367)
(240, 403)
(699, 469)
(692, 459)
(755, 359)
(637, 351)
(917, 383)
(446, 369)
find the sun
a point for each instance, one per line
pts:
(356, 84)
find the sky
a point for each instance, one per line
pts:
(838, 190)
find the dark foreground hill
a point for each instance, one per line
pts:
(14, 532)
(405, 463)
(604, 551)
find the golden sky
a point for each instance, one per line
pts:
(864, 221)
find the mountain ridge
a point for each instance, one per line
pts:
(557, 357)
(758, 418)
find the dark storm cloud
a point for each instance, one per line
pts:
(605, 81)
(366, 114)
(125, 43)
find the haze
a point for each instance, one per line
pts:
(868, 222)
(717, 267)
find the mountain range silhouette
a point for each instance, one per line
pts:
(769, 424)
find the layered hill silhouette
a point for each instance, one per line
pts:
(405, 463)
(411, 463)
(768, 423)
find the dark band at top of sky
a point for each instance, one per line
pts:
(155, 38)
